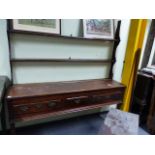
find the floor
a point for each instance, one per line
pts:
(84, 125)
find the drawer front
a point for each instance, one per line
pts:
(36, 107)
(92, 99)
(67, 102)
(107, 97)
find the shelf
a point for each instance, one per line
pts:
(60, 36)
(63, 60)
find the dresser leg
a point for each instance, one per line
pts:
(151, 115)
(12, 129)
(3, 121)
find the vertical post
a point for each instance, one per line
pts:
(11, 120)
(151, 115)
(116, 43)
(5, 85)
(135, 42)
(9, 42)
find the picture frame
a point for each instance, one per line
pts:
(98, 28)
(50, 26)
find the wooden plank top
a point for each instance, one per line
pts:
(43, 89)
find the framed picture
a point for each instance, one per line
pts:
(98, 28)
(37, 25)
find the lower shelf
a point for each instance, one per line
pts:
(67, 111)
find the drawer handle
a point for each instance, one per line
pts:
(24, 108)
(51, 104)
(39, 105)
(77, 98)
(77, 101)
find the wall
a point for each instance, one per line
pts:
(4, 51)
(43, 47)
(121, 49)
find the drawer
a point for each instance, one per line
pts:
(107, 97)
(92, 99)
(30, 108)
(77, 100)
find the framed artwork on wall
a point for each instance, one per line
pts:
(98, 28)
(37, 25)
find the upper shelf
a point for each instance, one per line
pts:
(60, 36)
(62, 60)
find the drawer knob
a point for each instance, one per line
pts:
(24, 108)
(51, 104)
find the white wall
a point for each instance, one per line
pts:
(121, 49)
(4, 51)
(28, 46)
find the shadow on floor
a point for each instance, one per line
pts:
(83, 125)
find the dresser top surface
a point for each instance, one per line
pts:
(42, 89)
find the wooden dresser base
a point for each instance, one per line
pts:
(27, 102)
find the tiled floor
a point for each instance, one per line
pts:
(84, 125)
